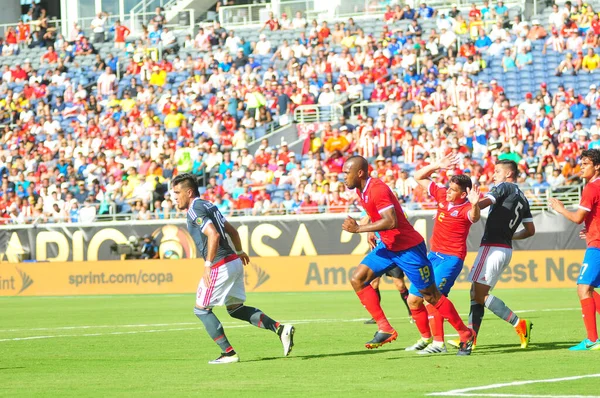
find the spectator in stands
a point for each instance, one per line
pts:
(98, 26)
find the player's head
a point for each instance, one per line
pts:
(590, 163)
(505, 170)
(357, 170)
(185, 189)
(457, 189)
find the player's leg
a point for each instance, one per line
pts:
(235, 298)
(373, 265)
(418, 269)
(375, 284)
(484, 280)
(206, 298)
(420, 317)
(446, 270)
(589, 278)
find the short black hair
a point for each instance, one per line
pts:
(511, 164)
(187, 180)
(593, 155)
(462, 181)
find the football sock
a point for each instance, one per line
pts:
(597, 301)
(378, 294)
(420, 317)
(476, 316)
(254, 316)
(214, 328)
(500, 309)
(436, 323)
(368, 298)
(404, 295)
(447, 311)
(588, 309)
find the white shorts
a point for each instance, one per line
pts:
(489, 264)
(226, 286)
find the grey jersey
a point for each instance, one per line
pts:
(509, 209)
(200, 214)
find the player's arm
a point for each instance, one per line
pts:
(473, 197)
(529, 227)
(577, 216)
(237, 242)
(497, 193)
(388, 221)
(422, 175)
(526, 232)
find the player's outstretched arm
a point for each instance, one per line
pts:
(526, 232)
(577, 216)
(237, 242)
(422, 175)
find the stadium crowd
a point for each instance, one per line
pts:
(71, 150)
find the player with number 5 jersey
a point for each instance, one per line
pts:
(401, 246)
(508, 209)
(589, 275)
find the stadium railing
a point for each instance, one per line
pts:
(570, 195)
(318, 113)
(366, 109)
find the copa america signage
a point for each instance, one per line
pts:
(261, 237)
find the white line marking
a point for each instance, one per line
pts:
(233, 326)
(464, 392)
(142, 325)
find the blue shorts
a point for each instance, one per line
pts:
(446, 269)
(412, 261)
(590, 269)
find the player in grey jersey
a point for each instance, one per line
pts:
(223, 279)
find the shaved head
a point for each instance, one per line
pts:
(358, 163)
(357, 172)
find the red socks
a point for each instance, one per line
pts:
(588, 309)
(368, 297)
(597, 301)
(436, 322)
(420, 317)
(447, 311)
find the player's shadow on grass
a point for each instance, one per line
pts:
(330, 355)
(495, 349)
(13, 367)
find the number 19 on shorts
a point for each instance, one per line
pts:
(425, 273)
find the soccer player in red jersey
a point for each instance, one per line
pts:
(458, 209)
(401, 246)
(589, 275)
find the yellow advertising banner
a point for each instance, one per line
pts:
(528, 269)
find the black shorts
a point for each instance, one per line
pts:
(395, 272)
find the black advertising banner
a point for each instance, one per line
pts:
(265, 237)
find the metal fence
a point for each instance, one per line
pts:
(318, 113)
(366, 109)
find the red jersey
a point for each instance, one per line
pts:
(378, 197)
(120, 33)
(589, 201)
(451, 226)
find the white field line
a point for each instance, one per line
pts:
(235, 326)
(466, 392)
(143, 325)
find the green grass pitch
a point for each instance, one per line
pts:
(146, 346)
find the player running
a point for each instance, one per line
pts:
(223, 279)
(589, 274)
(458, 209)
(509, 208)
(400, 246)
